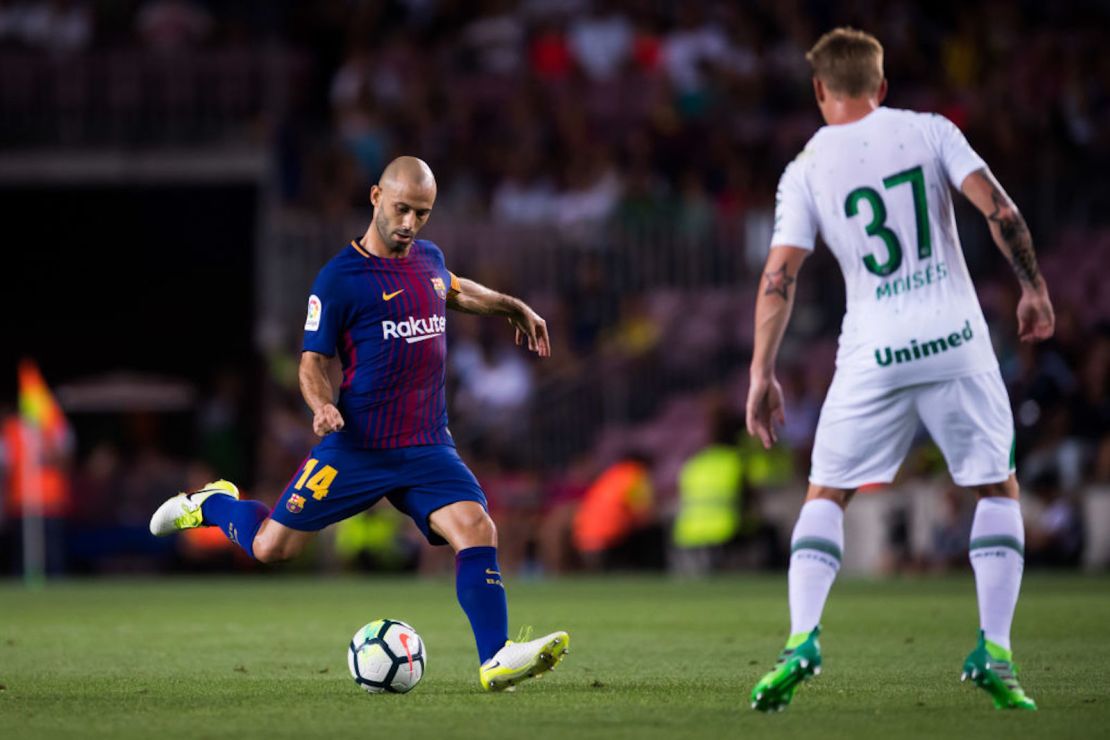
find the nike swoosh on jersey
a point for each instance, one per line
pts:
(391, 296)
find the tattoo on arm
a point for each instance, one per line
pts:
(1014, 232)
(778, 283)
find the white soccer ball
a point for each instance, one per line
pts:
(387, 655)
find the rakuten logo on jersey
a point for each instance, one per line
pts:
(414, 330)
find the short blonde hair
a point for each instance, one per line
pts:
(848, 61)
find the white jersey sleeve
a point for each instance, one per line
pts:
(795, 218)
(956, 155)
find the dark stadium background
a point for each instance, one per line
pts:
(174, 172)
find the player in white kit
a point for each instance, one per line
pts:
(876, 183)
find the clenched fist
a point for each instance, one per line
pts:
(327, 420)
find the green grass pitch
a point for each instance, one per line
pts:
(252, 657)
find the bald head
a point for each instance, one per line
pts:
(403, 200)
(405, 172)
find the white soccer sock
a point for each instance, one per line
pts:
(815, 551)
(997, 553)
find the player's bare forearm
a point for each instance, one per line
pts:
(472, 297)
(319, 393)
(1036, 319)
(1007, 226)
(476, 298)
(773, 305)
(316, 385)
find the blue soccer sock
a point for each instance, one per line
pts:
(239, 520)
(482, 597)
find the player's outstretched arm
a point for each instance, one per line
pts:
(472, 297)
(319, 393)
(773, 305)
(1036, 320)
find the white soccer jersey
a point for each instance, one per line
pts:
(879, 192)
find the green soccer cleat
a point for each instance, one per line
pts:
(800, 659)
(183, 510)
(990, 667)
(519, 661)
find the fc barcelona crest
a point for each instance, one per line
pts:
(441, 289)
(295, 503)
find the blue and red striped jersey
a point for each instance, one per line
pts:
(387, 319)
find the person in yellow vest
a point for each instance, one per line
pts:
(710, 486)
(716, 507)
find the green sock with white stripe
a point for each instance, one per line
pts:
(815, 553)
(997, 553)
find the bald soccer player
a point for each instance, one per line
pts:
(381, 305)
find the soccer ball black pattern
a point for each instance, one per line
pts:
(387, 656)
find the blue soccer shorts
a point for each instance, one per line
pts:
(335, 483)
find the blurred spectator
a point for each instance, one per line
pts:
(710, 486)
(638, 333)
(525, 195)
(495, 382)
(614, 515)
(601, 42)
(351, 82)
(647, 47)
(549, 55)
(693, 46)
(45, 476)
(495, 38)
(376, 541)
(590, 197)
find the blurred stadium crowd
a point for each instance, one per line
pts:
(614, 163)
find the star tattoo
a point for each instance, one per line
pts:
(778, 282)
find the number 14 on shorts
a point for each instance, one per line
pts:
(318, 483)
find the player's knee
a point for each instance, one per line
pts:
(464, 525)
(476, 529)
(272, 551)
(480, 528)
(264, 551)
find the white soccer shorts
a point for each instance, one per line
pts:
(863, 434)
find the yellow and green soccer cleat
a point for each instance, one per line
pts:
(991, 668)
(800, 659)
(519, 661)
(183, 510)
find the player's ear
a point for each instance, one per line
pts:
(881, 96)
(818, 90)
(375, 195)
